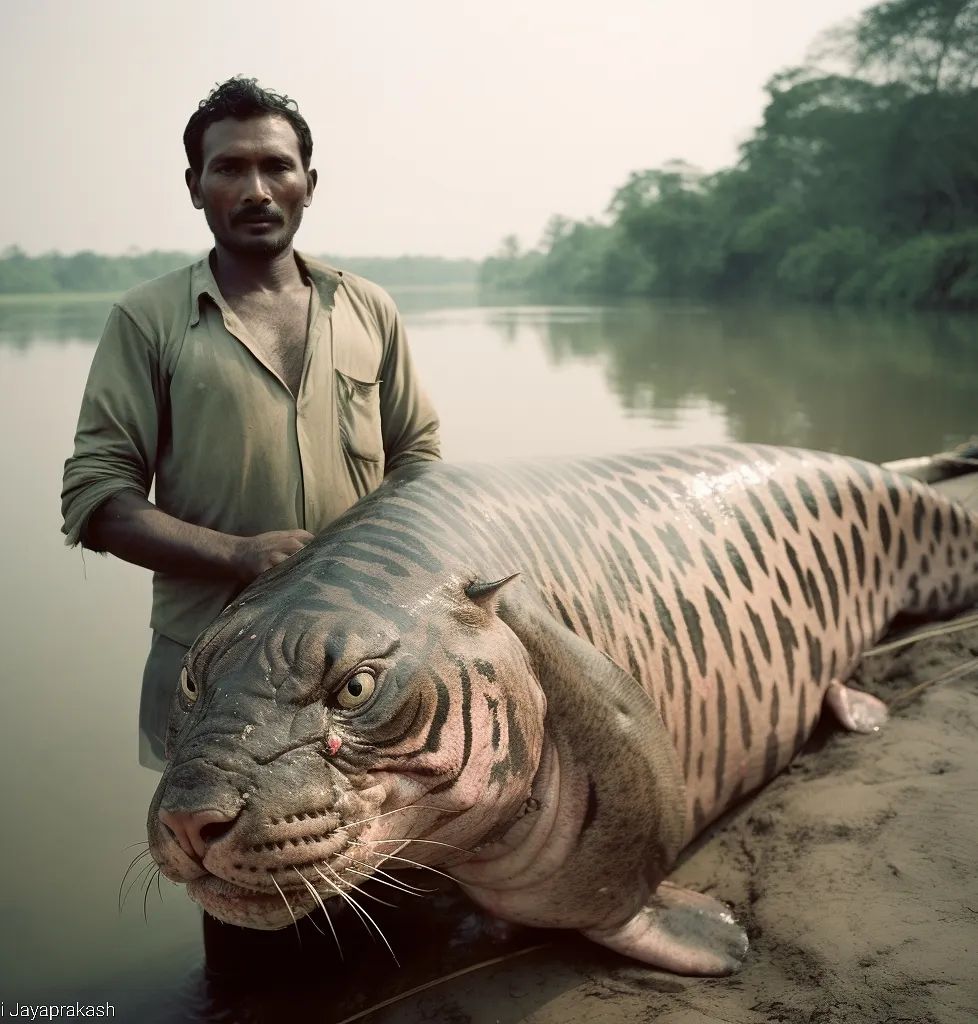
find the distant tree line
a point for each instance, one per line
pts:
(94, 272)
(860, 185)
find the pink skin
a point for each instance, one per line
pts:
(520, 876)
(394, 795)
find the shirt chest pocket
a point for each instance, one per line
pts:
(358, 406)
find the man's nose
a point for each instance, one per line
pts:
(195, 831)
(256, 188)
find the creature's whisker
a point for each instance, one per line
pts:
(429, 842)
(406, 807)
(353, 903)
(311, 922)
(380, 931)
(411, 890)
(132, 864)
(149, 885)
(401, 847)
(424, 867)
(132, 846)
(319, 900)
(339, 892)
(379, 881)
(137, 879)
(288, 906)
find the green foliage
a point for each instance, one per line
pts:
(859, 185)
(928, 44)
(509, 269)
(82, 271)
(409, 271)
(819, 267)
(91, 272)
(930, 271)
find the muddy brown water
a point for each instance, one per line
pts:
(507, 380)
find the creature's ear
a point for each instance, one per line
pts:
(486, 595)
(611, 728)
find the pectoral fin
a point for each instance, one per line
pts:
(857, 711)
(611, 727)
(680, 931)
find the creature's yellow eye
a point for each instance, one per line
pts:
(188, 687)
(356, 691)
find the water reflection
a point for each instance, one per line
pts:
(879, 386)
(33, 321)
(868, 383)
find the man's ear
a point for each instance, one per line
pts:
(193, 187)
(312, 179)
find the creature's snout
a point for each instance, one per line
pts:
(195, 809)
(196, 831)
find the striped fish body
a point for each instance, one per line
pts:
(733, 584)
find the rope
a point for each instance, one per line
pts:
(924, 633)
(439, 981)
(945, 677)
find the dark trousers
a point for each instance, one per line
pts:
(161, 677)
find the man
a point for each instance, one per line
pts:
(264, 392)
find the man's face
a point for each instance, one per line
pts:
(252, 186)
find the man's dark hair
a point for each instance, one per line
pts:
(242, 98)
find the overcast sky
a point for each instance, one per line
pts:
(439, 125)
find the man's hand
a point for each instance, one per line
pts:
(253, 555)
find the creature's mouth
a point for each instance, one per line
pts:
(226, 900)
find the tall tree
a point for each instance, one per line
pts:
(928, 45)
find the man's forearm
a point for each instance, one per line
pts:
(135, 530)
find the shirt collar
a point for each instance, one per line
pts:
(323, 278)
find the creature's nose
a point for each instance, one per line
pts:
(195, 831)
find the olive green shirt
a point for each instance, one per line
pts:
(179, 394)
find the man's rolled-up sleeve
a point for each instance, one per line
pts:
(118, 425)
(409, 422)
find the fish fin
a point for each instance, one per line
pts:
(614, 730)
(681, 931)
(857, 711)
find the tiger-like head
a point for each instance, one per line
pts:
(328, 728)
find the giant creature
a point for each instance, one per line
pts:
(544, 679)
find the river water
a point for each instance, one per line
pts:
(507, 380)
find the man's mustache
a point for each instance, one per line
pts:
(254, 216)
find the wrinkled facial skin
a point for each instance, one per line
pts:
(252, 186)
(311, 752)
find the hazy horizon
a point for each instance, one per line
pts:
(439, 127)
